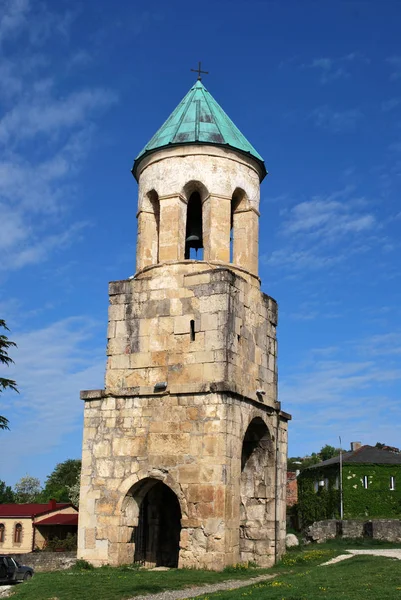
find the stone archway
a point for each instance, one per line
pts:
(256, 494)
(154, 516)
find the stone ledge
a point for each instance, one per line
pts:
(212, 264)
(184, 390)
(92, 394)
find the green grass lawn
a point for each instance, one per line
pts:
(119, 583)
(298, 578)
(358, 578)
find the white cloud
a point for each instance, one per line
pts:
(381, 344)
(335, 121)
(81, 58)
(300, 260)
(395, 63)
(52, 365)
(314, 309)
(44, 114)
(37, 251)
(390, 104)
(324, 232)
(331, 69)
(45, 135)
(330, 397)
(326, 217)
(328, 69)
(31, 201)
(13, 17)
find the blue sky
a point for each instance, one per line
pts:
(315, 87)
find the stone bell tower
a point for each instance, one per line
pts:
(184, 451)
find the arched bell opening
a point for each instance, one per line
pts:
(155, 223)
(147, 248)
(153, 514)
(239, 203)
(194, 228)
(256, 491)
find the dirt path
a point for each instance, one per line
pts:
(390, 552)
(191, 593)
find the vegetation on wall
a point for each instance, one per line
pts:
(321, 504)
(377, 501)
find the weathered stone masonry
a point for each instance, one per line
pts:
(184, 451)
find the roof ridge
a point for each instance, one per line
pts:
(184, 112)
(215, 122)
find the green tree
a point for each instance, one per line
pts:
(65, 475)
(5, 359)
(27, 489)
(325, 453)
(6, 494)
(313, 459)
(74, 491)
(328, 452)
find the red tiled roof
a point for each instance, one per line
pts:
(60, 519)
(29, 510)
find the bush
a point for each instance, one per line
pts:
(82, 565)
(67, 544)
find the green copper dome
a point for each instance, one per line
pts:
(198, 119)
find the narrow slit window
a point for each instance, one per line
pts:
(392, 483)
(192, 330)
(365, 482)
(2, 528)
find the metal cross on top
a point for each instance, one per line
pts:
(199, 71)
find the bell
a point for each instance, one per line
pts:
(193, 241)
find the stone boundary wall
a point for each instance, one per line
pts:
(47, 561)
(385, 530)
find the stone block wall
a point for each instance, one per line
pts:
(192, 443)
(42, 562)
(351, 528)
(196, 329)
(385, 530)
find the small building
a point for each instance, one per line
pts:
(371, 486)
(292, 488)
(26, 527)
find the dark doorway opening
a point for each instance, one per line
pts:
(157, 535)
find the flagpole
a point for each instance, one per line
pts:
(341, 482)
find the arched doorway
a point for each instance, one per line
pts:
(256, 492)
(157, 527)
